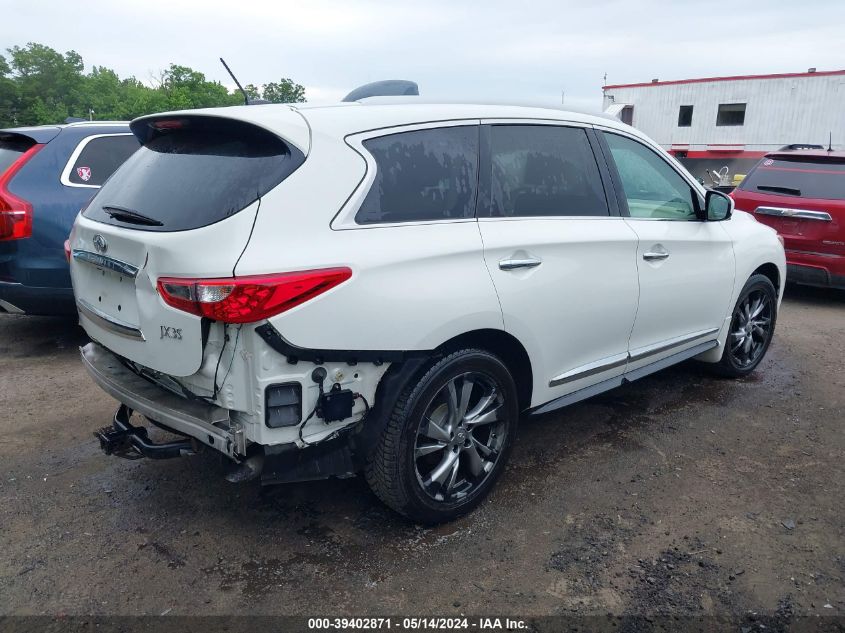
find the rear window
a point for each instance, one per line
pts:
(100, 157)
(422, 175)
(798, 178)
(192, 172)
(543, 170)
(11, 149)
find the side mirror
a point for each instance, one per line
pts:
(717, 206)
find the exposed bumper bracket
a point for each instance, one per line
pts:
(206, 423)
(122, 439)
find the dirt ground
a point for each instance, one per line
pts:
(678, 494)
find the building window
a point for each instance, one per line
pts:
(685, 116)
(627, 115)
(731, 114)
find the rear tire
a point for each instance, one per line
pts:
(751, 330)
(448, 438)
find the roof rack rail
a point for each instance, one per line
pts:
(384, 88)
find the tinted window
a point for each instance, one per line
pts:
(652, 188)
(196, 174)
(543, 170)
(685, 116)
(804, 178)
(731, 114)
(11, 149)
(422, 175)
(100, 158)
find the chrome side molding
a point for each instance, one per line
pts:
(802, 214)
(584, 371)
(651, 350)
(611, 362)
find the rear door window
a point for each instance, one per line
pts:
(422, 175)
(192, 172)
(542, 170)
(100, 157)
(801, 177)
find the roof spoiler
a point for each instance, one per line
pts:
(385, 88)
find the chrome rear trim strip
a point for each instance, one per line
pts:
(107, 322)
(102, 261)
(802, 214)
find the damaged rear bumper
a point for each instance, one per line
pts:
(205, 423)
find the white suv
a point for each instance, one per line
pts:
(387, 287)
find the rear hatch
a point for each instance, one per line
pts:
(182, 206)
(802, 197)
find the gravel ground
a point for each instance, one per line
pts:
(679, 494)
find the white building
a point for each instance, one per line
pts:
(734, 120)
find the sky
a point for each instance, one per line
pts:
(540, 52)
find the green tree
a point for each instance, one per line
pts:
(50, 85)
(252, 91)
(187, 88)
(284, 91)
(40, 85)
(8, 95)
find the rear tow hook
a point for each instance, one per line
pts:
(122, 439)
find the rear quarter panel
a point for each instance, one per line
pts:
(414, 286)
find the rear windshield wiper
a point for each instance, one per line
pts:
(787, 190)
(129, 216)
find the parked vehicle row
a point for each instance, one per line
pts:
(386, 287)
(47, 173)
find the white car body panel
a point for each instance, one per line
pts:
(577, 306)
(684, 295)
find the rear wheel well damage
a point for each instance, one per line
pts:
(400, 375)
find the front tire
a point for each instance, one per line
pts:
(447, 439)
(752, 328)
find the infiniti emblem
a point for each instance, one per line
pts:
(100, 243)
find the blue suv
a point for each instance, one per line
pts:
(47, 174)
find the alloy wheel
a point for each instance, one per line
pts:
(460, 437)
(751, 328)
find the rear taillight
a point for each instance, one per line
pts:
(15, 212)
(67, 250)
(248, 299)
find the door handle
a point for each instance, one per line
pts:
(653, 256)
(513, 264)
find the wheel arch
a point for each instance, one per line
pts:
(508, 348)
(771, 271)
